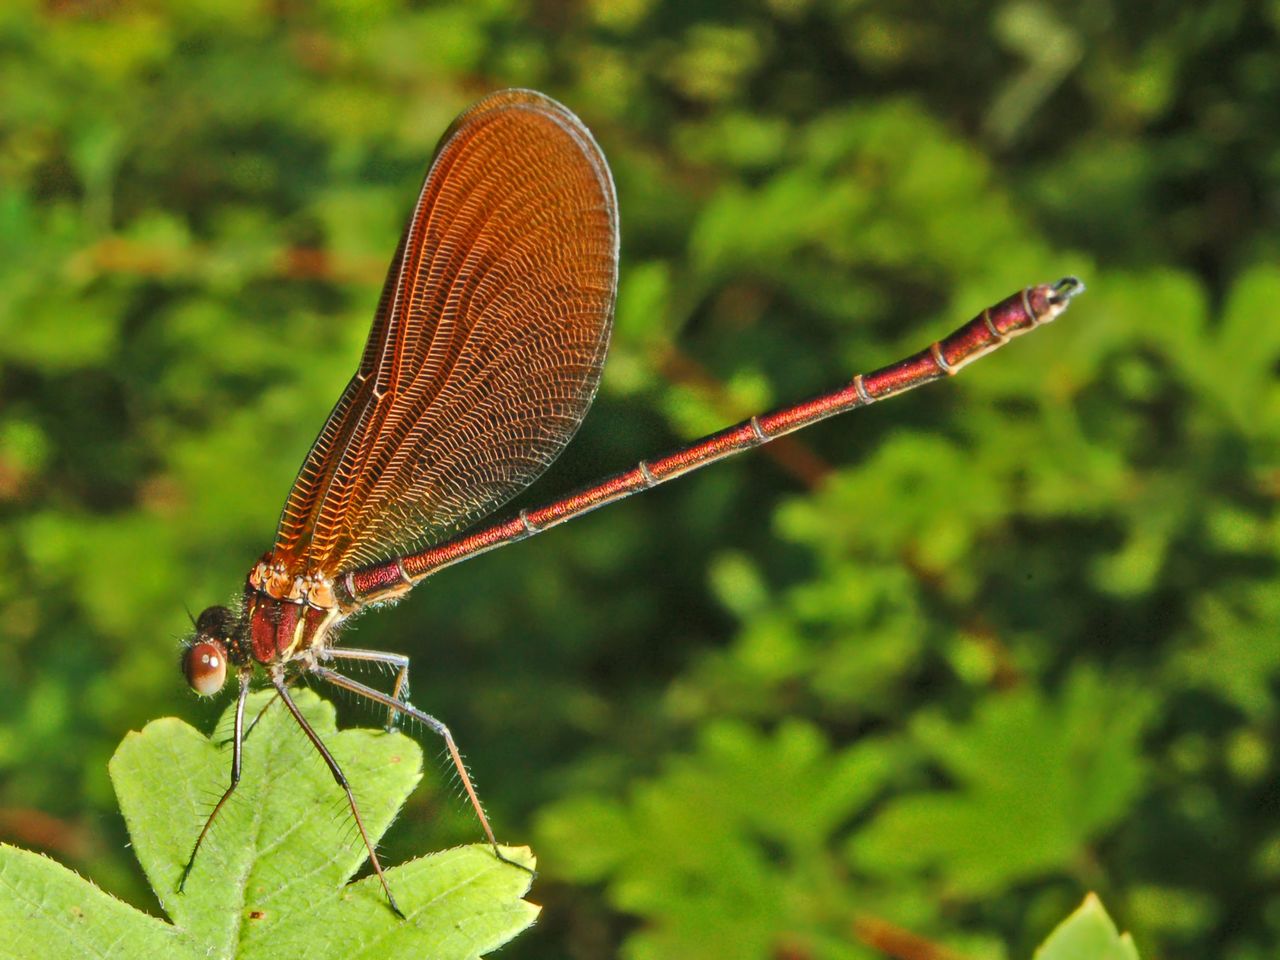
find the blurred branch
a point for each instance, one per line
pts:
(116, 255)
(894, 941)
(32, 828)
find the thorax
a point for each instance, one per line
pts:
(287, 613)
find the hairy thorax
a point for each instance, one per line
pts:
(288, 613)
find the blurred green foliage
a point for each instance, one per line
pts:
(944, 665)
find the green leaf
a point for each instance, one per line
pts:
(1088, 934)
(271, 879)
(46, 911)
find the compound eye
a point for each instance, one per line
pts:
(205, 667)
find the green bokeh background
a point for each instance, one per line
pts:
(939, 667)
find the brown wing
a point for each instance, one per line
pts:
(486, 348)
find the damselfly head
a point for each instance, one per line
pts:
(204, 656)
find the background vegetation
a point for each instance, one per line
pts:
(937, 668)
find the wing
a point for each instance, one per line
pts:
(486, 347)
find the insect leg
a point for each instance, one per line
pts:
(341, 779)
(237, 746)
(409, 710)
(400, 690)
